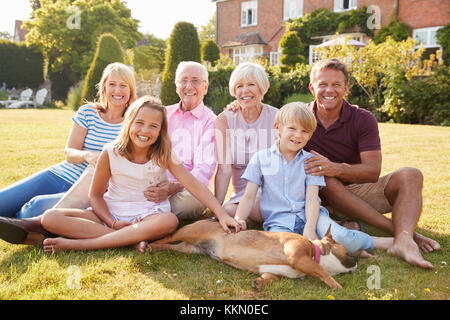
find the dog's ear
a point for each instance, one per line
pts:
(328, 237)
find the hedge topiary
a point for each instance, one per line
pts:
(184, 45)
(291, 51)
(210, 52)
(108, 51)
(20, 66)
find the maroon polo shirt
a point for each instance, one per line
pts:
(354, 132)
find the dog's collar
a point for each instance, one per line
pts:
(316, 252)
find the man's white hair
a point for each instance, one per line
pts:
(184, 64)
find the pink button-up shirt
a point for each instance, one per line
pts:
(192, 136)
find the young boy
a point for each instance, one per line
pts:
(290, 197)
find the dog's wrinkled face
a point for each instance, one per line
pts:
(334, 258)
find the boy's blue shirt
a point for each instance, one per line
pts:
(283, 185)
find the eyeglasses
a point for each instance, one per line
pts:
(193, 82)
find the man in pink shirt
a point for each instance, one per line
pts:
(191, 129)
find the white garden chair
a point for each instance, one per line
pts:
(24, 100)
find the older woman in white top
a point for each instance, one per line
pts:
(240, 133)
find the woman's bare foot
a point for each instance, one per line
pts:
(141, 246)
(426, 244)
(52, 245)
(405, 248)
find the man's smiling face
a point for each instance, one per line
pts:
(329, 87)
(191, 87)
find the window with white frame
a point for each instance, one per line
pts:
(344, 5)
(426, 37)
(275, 57)
(249, 13)
(292, 9)
(247, 53)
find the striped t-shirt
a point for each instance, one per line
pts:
(99, 133)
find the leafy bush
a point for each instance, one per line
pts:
(218, 94)
(20, 66)
(73, 100)
(284, 84)
(291, 51)
(443, 38)
(396, 29)
(210, 52)
(424, 99)
(324, 22)
(108, 51)
(184, 45)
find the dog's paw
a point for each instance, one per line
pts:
(257, 284)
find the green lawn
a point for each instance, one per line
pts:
(31, 140)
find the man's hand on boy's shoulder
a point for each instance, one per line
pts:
(318, 165)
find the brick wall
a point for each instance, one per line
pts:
(416, 13)
(424, 13)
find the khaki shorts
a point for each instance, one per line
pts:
(185, 206)
(372, 193)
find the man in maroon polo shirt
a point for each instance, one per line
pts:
(347, 151)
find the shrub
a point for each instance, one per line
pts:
(108, 51)
(396, 29)
(218, 94)
(291, 51)
(443, 38)
(282, 84)
(20, 66)
(424, 99)
(73, 100)
(184, 45)
(210, 52)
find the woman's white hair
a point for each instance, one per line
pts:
(252, 71)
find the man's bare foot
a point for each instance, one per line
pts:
(405, 248)
(426, 244)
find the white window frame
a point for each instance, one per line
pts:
(339, 5)
(292, 9)
(249, 7)
(275, 57)
(431, 42)
(247, 53)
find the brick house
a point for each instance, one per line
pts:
(248, 29)
(19, 33)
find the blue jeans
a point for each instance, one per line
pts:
(31, 196)
(352, 240)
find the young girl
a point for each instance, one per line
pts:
(123, 216)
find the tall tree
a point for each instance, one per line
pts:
(184, 45)
(67, 32)
(208, 32)
(108, 51)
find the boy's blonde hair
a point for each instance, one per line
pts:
(125, 73)
(159, 151)
(249, 70)
(298, 112)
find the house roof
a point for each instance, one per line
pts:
(246, 39)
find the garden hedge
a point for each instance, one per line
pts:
(20, 66)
